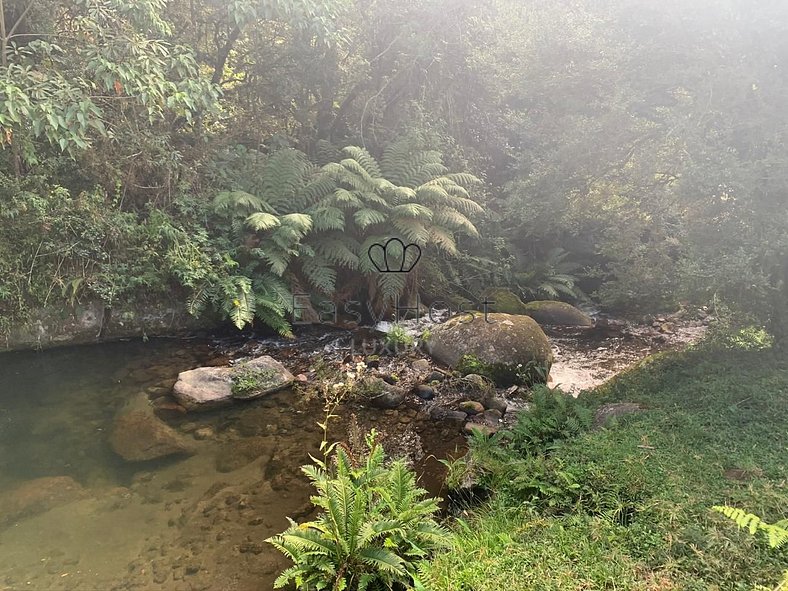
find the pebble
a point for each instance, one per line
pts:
(421, 365)
(204, 433)
(472, 408)
(425, 392)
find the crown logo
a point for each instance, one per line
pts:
(395, 256)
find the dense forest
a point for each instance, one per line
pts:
(230, 154)
(185, 183)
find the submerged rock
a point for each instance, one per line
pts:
(139, 435)
(503, 347)
(38, 496)
(237, 454)
(206, 388)
(557, 314)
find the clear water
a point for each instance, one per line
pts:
(197, 522)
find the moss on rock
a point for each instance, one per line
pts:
(557, 313)
(508, 349)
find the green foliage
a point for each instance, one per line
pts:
(777, 533)
(638, 494)
(504, 374)
(553, 278)
(93, 61)
(397, 338)
(248, 381)
(375, 529)
(289, 217)
(551, 417)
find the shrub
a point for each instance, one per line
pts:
(375, 529)
(552, 416)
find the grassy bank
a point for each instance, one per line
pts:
(628, 506)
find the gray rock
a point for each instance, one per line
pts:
(492, 417)
(206, 388)
(425, 392)
(422, 365)
(436, 376)
(495, 403)
(609, 413)
(380, 394)
(439, 413)
(268, 375)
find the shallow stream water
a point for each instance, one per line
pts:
(74, 515)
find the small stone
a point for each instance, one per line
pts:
(471, 407)
(608, 413)
(301, 378)
(425, 392)
(439, 413)
(436, 376)
(496, 403)
(486, 430)
(204, 433)
(492, 416)
(422, 365)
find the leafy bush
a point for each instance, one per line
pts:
(397, 338)
(552, 416)
(375, 529)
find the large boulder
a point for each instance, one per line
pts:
(545, 312)
(38, 496)
(556, 313)
(503, 347)
(138, 435)
(500, 299)
(206, 388)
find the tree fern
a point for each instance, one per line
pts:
(307, 222)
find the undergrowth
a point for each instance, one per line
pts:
(628, 506)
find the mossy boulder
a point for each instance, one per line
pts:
(508, 349)
(556, 313)
(504, 301)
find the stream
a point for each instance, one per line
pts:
(74, 515)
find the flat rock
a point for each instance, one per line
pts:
(268, 374)
(206, 388)
(38, 496)
(608, 413)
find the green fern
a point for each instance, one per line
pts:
(777, 534)
(294, 220)
(374, 530)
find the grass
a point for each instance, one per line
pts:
(629, 507)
